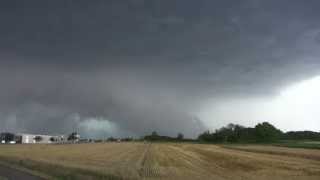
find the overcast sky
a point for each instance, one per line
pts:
(128, 67)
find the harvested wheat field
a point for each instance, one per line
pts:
(164, 161)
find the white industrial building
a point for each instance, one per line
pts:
(23, 138)
(39, 139)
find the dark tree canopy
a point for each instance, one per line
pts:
(301, 135)
(264, 132)
(180, 136)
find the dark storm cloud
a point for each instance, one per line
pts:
(143, 65)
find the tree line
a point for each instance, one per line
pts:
(234, 133)
(155, 137)
(262, 132)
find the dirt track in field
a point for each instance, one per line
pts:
(177, 161)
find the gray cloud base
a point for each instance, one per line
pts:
(146, 65)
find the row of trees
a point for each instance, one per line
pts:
(234, 133)
(155, 137)
(262, 132)
(301, 135)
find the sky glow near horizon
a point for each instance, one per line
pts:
(293, 105)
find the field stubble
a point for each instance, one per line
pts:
(170, 160)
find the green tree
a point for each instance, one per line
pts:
(205, 136)
(266, 132)
(180, 136)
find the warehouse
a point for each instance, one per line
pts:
(38, 139)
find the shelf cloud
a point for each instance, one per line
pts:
(137, 66)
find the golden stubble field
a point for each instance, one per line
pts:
(175, 161)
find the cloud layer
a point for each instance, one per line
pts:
(135, 66)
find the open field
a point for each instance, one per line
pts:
(290, 152)
(164, 161)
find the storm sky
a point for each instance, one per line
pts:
(129, 67)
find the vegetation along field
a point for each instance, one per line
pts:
(137, 160)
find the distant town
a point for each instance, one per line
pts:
(22, 138)
(74, 137)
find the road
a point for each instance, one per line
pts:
(13, 174)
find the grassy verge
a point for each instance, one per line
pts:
(299, 144)
(57, 172)
(285, 143)
(273, 150)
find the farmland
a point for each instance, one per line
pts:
(164, 161)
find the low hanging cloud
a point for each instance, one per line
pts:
(101, 128)
(49, 102)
